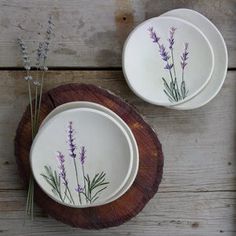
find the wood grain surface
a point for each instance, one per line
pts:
(197, 196)
(92, 33)
(150, 160)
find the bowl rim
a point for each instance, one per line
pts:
(167, 104)
(135, 166)
(103, 201)
(221, 40)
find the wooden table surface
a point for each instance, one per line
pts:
(197, 196)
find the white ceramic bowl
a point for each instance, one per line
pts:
(108, 156)
(220, 55)
(135, 164)
(145, 60)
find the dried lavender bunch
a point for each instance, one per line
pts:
(42, 52)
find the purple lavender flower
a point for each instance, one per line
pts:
(82, 155)
(71, 140)
(153, 35)
(164, 54)
(165, 57)
(184, 56)
(62, 174)
(79, 189)
(171, 39)
(168, 66)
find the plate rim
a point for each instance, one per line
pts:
(218, 33)
(169, 105)
(114, 192)
(136, 149)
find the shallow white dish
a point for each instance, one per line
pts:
(220, 53)
(144, 58)
(81, 104)
(108, 156)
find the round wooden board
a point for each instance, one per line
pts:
(150, 167)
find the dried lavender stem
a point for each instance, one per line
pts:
(40, 96)
(35, 107)
(31, 107)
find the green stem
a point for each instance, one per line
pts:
(70, 195)
(173, 62)
(173, 89)
(84, 181)
(176, 82)
(77, 178)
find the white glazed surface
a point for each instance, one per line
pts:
(143, 67)
(135, 165)
(220, 54)
(108, 149)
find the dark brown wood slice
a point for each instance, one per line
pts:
(150, 166)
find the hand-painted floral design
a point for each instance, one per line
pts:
(90, 189)
(174, 91)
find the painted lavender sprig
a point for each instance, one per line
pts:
(95, 186)
(183, 64)
(92, 187)
(34, 111)
(62, 175)
(72, 153)
(82, 160)
(171, 89)
(164, 54)
(53, 179)
(171, 44)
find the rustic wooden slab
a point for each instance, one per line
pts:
(150, 162)
(92, 33)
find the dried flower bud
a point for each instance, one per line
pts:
(24, 54)
(28, 78)
(36, 83)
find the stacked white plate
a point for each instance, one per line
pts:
(84, 155)
(177, 60)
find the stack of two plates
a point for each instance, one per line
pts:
(177, 60)
(84, 155)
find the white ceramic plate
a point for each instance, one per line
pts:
(144, 59)
(76, 143)
(220, 54)
(135, 165)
